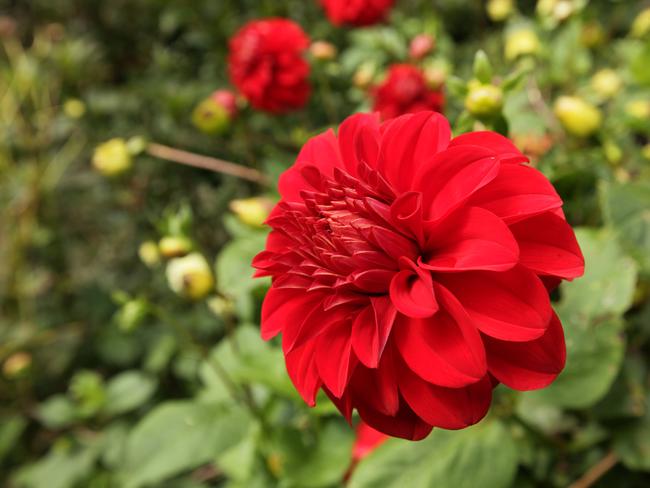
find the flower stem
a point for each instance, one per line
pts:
(206, 162)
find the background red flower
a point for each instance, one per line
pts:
(357, 12)
(405, 91)
(267, 65)
(407, 272)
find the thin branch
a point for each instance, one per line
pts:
(206, 162)
(597, 471)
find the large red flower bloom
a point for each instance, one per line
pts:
(267, 65)
(409, 270)
(405, 91)
(357, 12)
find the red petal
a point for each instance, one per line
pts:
(450, 177)
(367, 440)
(444, 350)
(320, 151)
(371, 329)
(285, 306)
(405, 424)
(548, 246)
(406, 213)
(408, 142)
(506, 151)
(448, 408)
(378, 387)
(518, 191)
(334, 358)
(411, 291)
(471, 238)
(512, 305)
(359, 141)
(301, 366)
(528, 365)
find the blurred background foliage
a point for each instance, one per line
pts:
(129, 346)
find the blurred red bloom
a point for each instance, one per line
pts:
(267, 65)
(409, 269)
(357, 12)
(405, 91)
(366, 441)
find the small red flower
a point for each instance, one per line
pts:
(405, 91)
(267, 65)
(357, 12)
(366, 441)
(409, 269)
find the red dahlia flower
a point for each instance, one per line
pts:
(267, 65)
(408, 272)
(357, 12)
(405, 91)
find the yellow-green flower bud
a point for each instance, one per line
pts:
(641, 24)
(499, 10)
(74, 108)
(322, 50)
(221, 307)
(112, 158)
(521, 42)
(606, 83)
(211, 117)
(252, 211)
(483, 100)
(592, 35)
(149, 253)
(364, 75)
(16, 365)
(190, 276)
(613, 152)
(174, 246)
(645, 151)
(638, 109)
(578, 117)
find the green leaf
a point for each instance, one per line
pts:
(482, 67)
(178, 436)
(607, 287)
(249, 359)
(632, 443)
(626, 208)
(594, 355)
(311, 462)
(128, 391)
(57, 412)
(11, 429)
(483, 455)
(58, 470)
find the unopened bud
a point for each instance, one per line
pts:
(421, 45)
(521, 42)
(592, 35)
(322, 50)
(364, 75)
(174, 246)
(641, 24)
(606, 83)
(16, 365)
(252, 211)
(190, 276)
(221, 307)
(227, 99)
(499, 10)
(149, 253)
(74, 108)
(435, 76)
(211, 116)
(638, 109)
(613, 152)
(131, 314)
(578, 117)
(112, 158)
(645, 151)
(484, 100)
